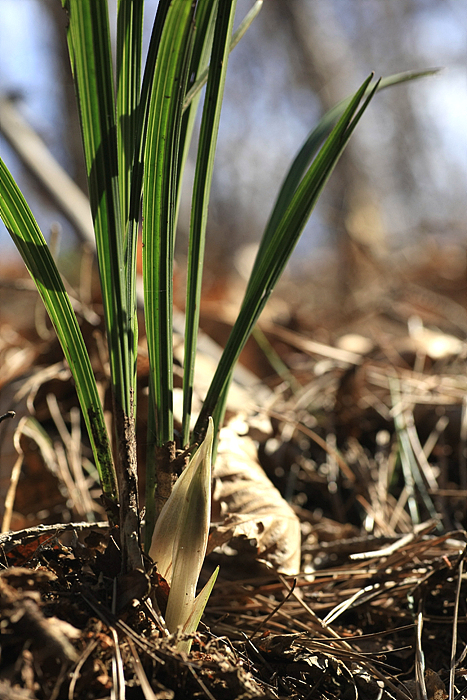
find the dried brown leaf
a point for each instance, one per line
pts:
(251, 506)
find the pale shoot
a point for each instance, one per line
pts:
(180, 540)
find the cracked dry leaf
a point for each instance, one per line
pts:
(250, 506)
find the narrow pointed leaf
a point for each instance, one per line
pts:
(33, 248)
(238, 35)
(204, 20)
(129, 45)
(132, 236)
(204, 23)
(191, 625)
(89, 42)
(159, 198)
(279, 250)
(201, 194)
(308, 151)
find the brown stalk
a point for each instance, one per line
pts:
(127, 478)
(165, 474)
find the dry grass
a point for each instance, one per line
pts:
(367, 443)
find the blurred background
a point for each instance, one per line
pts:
(400, 188)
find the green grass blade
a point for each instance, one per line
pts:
(129, 46)
(200, 56)
(205, 17)
(32, 246)
(245, 24)
(161, 128)
(309, 150)
(278, 251)
(201, 193)
(135, 202)
(88, 35)
(159, 198)
(141, 123)
(298, 169)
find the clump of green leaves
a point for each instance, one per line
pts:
(137, 125)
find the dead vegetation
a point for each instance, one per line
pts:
(361, 441)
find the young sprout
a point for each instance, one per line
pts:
(180, 539)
